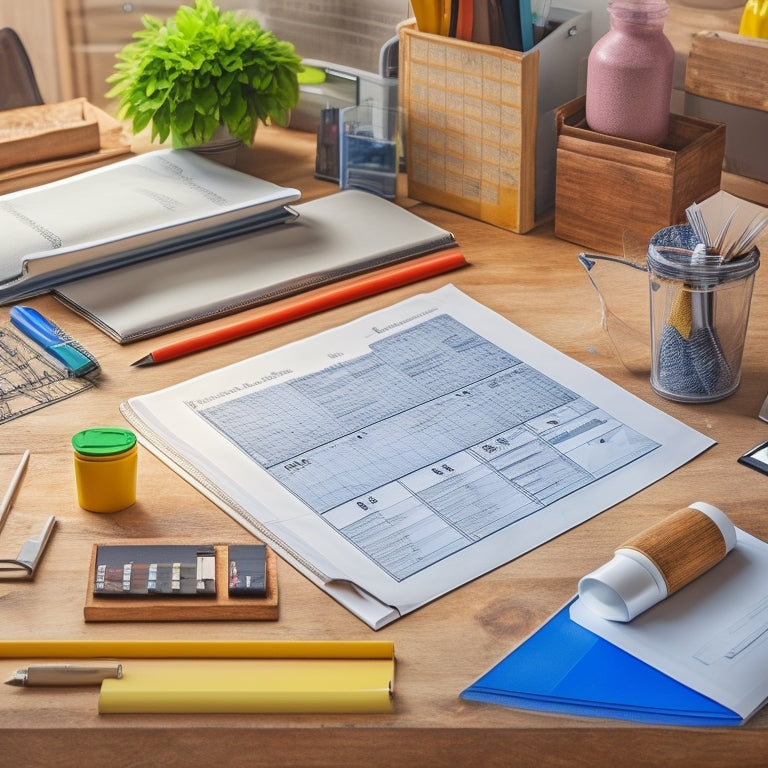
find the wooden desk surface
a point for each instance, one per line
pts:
(535, 281)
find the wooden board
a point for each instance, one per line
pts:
(46, 132)
(222, 607)
(113, 144)
(730, 68)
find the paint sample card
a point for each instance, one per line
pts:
(247, 570)
(178, 570)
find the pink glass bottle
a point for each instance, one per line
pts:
(629, 73)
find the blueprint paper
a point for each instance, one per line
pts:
(29, 380)
(399, 456)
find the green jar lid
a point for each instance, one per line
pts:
(103, 441)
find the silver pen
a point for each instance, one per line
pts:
(65, 674)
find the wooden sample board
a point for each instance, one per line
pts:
(189, 608)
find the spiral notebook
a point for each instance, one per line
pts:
(335, 237)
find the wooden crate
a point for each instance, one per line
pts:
(609, 188)
(34, 134)
(112, 144)
(730, 68)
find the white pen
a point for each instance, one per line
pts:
(65, 674)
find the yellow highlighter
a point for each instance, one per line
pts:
(429, 15)
(754, 19)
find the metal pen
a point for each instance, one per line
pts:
(65, 674)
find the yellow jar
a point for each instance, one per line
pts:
(106, 461)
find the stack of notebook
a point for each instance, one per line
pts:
(169, 238)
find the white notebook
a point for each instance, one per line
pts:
(334, 237)
(139, 208)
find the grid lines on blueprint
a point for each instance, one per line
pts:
(434, 439)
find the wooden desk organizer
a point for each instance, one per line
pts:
(479, 119)
(607, 186)
(218, 608)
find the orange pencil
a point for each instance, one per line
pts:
(312, 303)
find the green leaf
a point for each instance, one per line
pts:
(183, 116)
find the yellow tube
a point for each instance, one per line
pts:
(754, 19)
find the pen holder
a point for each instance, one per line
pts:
(480, 134)
(699, 312)
(658, 562)
(106, 462)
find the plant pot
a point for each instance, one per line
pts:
(222, 147)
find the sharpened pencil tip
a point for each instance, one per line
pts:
(146, 360)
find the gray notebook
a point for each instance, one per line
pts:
(338, 236)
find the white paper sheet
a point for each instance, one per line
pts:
(399, 456)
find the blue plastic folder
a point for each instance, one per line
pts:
(564, 668)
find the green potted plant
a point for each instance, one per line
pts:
(202, 69)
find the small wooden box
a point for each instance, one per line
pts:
(480, 119)
(46, 132)
(49, 152)
(607, 187)
(725, 80)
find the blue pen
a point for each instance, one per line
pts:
(77, 361)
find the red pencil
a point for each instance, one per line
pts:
(312, 303)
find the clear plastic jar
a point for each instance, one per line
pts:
(699, 315)
(629, 74)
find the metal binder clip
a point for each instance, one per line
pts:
(24, 565)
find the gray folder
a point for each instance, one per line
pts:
(338, 236)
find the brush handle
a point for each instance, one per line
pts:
(683, 546)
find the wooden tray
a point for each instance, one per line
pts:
(222, 607)
(46, 132)
(79, 135)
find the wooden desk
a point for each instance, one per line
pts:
(535, 281)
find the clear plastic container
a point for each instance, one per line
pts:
(369, 153)
(699, 308)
